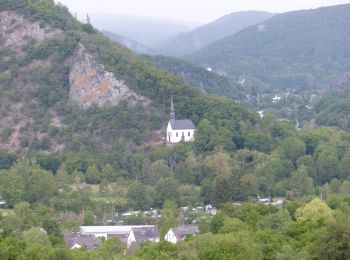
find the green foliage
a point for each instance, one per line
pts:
(334, 242)
(37, 236)
(106, 167)
(309, 51)
(138, 196)
(196, 76)
(158, 251)
(334, 110)
(40, 186)
(314, 210)
(166, 189)
(168, 219)
(111, 248)
(259, 141)
(227, 246)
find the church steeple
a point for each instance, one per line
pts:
(172, 110)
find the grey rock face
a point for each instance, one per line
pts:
(91, 84)
(16, 30)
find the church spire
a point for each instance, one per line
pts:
(172, 110)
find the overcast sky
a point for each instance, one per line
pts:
(196, 11)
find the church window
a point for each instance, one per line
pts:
(177, 134)
(189, 133)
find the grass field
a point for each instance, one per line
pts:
(6, 212)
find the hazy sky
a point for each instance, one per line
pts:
(197, 11)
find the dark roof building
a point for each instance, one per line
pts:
(139, 235)
(183, 124)
(181, 232)
(77, 240)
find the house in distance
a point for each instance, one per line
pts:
(179, 130)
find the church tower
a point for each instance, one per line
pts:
(179, 130)
(172, 110)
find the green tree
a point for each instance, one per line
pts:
(278, 221)
(108, 172)
(93, 176)
(227, 246)
(222, 190)
(156, 251)
(234, 225)
(258, 141)
(301, 183)
(168, 218)
(12, 187)
(111, 249)
(327, 163)
(35, 235)
(158, 170)
(207, 191)
(23, 217)
(204, 135)
(40, 186)
(89, 219)
(249, 185)
(219, 164)
(138, 197)
(345, 166)
(166, 189)
(291, 149)
(316, 210)
(62, 178)
(334, 242)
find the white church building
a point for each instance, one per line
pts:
(179, 130)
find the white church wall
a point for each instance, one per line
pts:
(175, 136)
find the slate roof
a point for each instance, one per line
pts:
(181, 232)
(109, 230)
(87, 241)
(145, 234)
(182, 124)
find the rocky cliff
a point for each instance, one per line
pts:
(91, 84)
(36, 81)
(16, 30)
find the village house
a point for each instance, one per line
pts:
(76, 240)
(179, 130)
(2, 203)
(107, 232)
(180, 233)
(140, 235)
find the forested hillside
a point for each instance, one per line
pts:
(196, 76)
(81, 126)
(302, 50)
(37, 87)
(186, 43)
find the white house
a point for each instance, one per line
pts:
(77, 240)
(139, 235)
(180, 233)
(179, 130)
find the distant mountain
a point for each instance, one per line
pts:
(196, 76)
(188, 42)
(299, 50)
(130, 44)
(148, 31)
